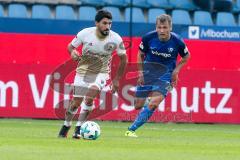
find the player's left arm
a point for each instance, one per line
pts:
(122, 66)
(120, 72)
(123, 63)
(184, 53)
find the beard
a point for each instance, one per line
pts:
(105, 32)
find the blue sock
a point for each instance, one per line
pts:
(142, 118)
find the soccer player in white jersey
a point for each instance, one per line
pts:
(98, 44)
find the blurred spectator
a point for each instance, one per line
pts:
(215, 5)
(205, 4)
(223, 5)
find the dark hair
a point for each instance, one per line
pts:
(164, 18)
(102, 14)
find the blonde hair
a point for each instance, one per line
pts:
(163, 18)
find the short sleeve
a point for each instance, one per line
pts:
(144, 45)
(78, 40)
(182, 50)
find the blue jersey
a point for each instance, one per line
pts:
(160, 56)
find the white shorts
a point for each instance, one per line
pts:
(83, 82)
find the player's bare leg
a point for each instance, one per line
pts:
(155, 100)
(145, 114)
(139, 103)
(70, 112)
(86, 108)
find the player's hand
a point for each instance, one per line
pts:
(174, 78)
(115, 85)
(75, 55)
(140, 79)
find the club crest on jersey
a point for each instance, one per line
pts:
(170, 50)
(110, 46)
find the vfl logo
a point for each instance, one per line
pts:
(170, 50)
(193, 32)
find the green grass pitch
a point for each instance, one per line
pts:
(25, 139)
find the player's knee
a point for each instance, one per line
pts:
(138, 105)
(153, 105)
(88, 101)
(74, 104)
(73, 107)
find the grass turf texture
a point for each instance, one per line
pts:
(25, 139)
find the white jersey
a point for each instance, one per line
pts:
(97, 53)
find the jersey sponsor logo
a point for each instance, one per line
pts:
(166, 55)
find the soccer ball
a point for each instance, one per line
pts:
(90, 130)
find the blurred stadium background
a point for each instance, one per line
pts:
(33, 39)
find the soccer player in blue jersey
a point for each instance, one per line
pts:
(158, 71)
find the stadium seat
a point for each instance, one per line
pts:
(41, 11)
(115, 13)
(137, 15)
(117, 3)
(153, 13)
(139, 3)
(87, 13)
(17, 11)
(202, 18)
(225, 19)
(93, 2)
(183, 4)
(65, 12)
(160, 4)
(181, 17)
(1, 11)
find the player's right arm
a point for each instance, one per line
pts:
(143, 48)
(73, 52)
(185, 56)
(76, 42)
(140, 67)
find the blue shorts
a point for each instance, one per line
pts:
(162, 87)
